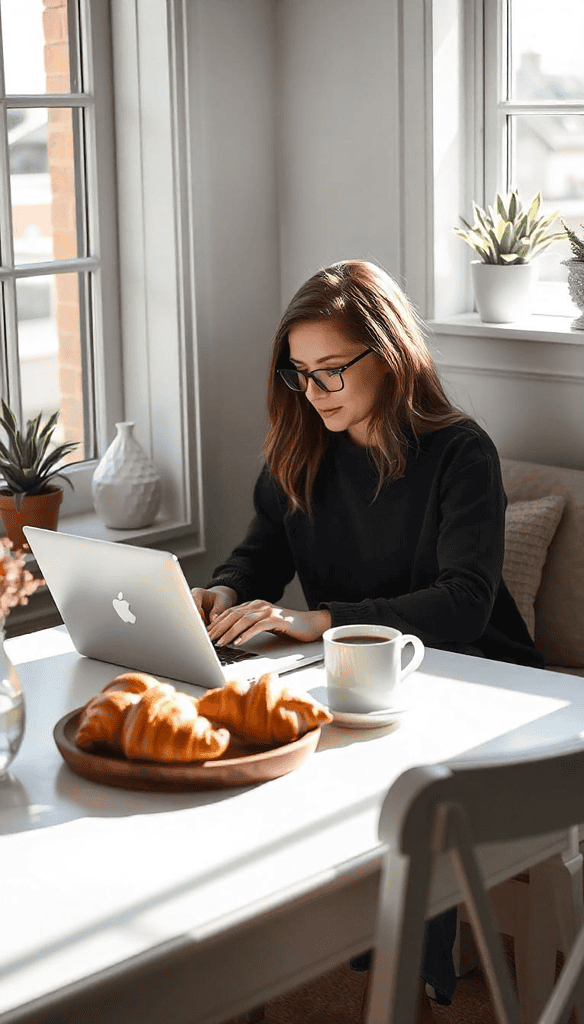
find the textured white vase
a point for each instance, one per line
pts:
(503, 294)
(576, 289)
(126, 485)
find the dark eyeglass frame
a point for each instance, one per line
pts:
(313, 374)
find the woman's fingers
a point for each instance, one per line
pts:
(237, 622)
(211, 603)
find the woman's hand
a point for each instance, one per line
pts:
(239, 624)
(210, 603)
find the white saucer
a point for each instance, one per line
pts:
(354, 720)
(370, 720)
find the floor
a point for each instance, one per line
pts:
(337, 998)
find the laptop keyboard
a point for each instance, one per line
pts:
(229, 654)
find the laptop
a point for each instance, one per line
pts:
(132, 606)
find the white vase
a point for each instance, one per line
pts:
(12, 715)
(503, 294)
(126, 484)
(576, 289)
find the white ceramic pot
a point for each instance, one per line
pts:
(502, 293)
(126, 485)
(576, 289)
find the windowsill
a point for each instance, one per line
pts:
(41, 613)
(556, 329)
(175, 536)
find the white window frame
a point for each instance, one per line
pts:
(154, 278)
(498, 107)
(94, 203)
(144, 314)
(475, 121)
(155, 192)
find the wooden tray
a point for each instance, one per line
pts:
(240, 765)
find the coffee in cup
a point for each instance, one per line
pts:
(363, 666)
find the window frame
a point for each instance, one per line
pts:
(498, 109)
(464, 95)
(144, 313)
(98, 302)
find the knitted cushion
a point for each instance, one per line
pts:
(559, 606)
(529, 529)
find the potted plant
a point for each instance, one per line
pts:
(575, 267)
(28, 466)
(506, 239)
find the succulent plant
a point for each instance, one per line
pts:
(26, 464)
(509, 234)
(576, 244)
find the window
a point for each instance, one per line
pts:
(533, 88)
(57, 231)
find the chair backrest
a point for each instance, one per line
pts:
(453, 808)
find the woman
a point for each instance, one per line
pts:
(385, 500)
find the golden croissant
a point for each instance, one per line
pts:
(265, 711)
(144, 719)
(104, 715)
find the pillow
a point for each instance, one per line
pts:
(529, 530)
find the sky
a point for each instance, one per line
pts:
(553, 29)
(23, 65)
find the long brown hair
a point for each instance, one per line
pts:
(368, 307)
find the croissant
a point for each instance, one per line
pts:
(103, 717)
(144, 719)
(265, 711)
(168, 727)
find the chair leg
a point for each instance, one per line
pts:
(362, 1015)
(555, 905)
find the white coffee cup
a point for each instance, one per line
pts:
(363, 665)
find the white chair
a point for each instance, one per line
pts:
(450, 810)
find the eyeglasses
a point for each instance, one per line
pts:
(326, 380)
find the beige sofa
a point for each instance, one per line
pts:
(559, 605)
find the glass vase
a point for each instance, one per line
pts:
(12, 713)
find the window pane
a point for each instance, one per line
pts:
(35, 46)
(50, 354)
(548, 155)
(546, 50)
(42, 181)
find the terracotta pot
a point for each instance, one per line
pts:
(36, 510)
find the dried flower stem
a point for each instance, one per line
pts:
(16, 582)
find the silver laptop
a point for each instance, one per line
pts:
(132, 606)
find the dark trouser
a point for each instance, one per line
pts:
(437, 963)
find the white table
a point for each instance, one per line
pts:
(121, 906)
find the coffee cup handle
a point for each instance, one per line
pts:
(419, 651)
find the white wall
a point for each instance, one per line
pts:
(339, 135)
(527, 395)
(231, 56)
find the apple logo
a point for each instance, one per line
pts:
(122, 608)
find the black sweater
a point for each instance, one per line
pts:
(424, 557)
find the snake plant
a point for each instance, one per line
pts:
(508, 234)
(26, 463)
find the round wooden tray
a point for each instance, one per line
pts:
(240, 765)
